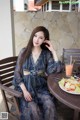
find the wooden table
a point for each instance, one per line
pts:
(72, 101)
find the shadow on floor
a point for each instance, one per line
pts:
(64, 112)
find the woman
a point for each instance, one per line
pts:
(34, 62)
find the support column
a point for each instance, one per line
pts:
(6, 30)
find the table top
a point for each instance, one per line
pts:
(73, 101)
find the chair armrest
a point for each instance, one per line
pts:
(11, 91)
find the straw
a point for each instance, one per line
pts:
(71, 59)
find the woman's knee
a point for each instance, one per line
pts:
(49, 105)
(34, 111)
(33, 107)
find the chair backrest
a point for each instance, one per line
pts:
(75, 53)
(7, 67)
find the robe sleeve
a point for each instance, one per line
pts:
(52, 66)
(18, 73)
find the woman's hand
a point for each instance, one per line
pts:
(27, 95)
(49, 45)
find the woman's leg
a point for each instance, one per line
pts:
(34, 111)
(30, 111)
(48, 106)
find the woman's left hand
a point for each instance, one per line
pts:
(49, 45)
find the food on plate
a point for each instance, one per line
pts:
(71, 84)
(79, 80)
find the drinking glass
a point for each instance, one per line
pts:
(68, 70)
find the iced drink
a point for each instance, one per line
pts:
(68, 69)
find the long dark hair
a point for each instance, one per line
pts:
(28, 48)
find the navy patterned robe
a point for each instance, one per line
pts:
(41, 107)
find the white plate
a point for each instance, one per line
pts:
(71, 92)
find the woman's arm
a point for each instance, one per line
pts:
(18, 78)
(54, 55)
(53, 64)
(50, 47)
(26, 94)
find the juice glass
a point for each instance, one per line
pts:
(68, 69)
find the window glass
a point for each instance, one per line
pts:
(55, 5)
(65, 6)
(74, 7)
(44, 7)
(47, 5)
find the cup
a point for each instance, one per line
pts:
(68, 69)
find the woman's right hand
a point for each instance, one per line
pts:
(27, 96)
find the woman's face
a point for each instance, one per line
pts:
(38, 39)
